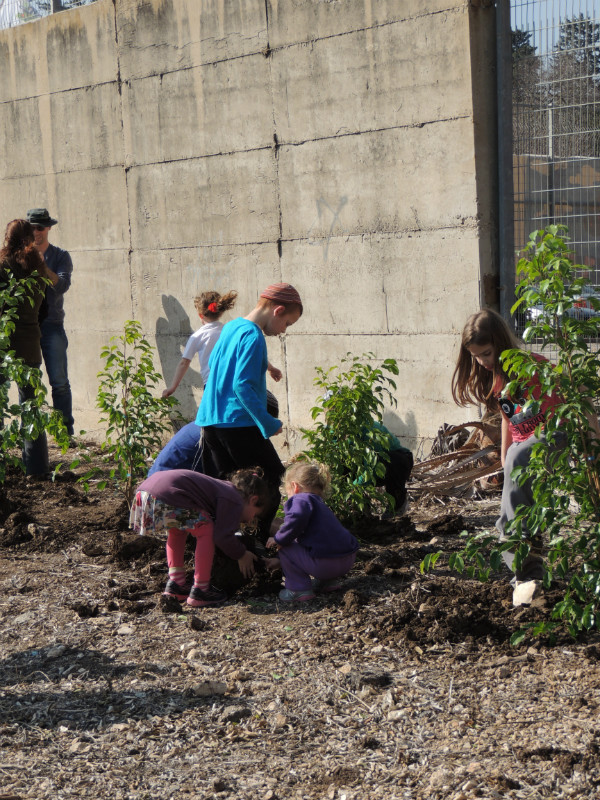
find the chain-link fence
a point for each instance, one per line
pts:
(17, 12)
(556, 123)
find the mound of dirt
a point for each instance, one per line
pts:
(401, 685)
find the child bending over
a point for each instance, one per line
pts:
(311, 540)
(181, 502)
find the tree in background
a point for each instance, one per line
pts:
(580, 39)
(521, 44)
(556, 97)
(529, 96)
(573, 79)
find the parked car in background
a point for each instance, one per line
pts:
(586, 305)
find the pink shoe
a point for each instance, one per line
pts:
(300, 596)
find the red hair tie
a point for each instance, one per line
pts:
(212, 307)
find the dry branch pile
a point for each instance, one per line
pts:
(460, 463)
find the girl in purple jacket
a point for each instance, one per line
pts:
(181, 502)
(311, 540)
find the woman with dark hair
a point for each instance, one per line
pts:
(19, 258)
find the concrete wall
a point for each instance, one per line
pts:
(345, 147)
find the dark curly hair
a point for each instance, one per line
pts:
(19, 246)
(250, 482)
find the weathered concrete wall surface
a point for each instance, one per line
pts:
(345, 147)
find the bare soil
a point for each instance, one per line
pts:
(399, 686)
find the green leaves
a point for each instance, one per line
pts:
(348, 434)
(430, 561)
(563, 468)
(566, 485)
(29, 420)
(135, 419)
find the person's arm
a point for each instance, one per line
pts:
(248, 378)
(227, 520)
(275, 373)
(59, 274)
(182, 368)
(297, 511)
(506, 439)
(51, 276)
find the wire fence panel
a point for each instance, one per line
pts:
(17, 12)
(556, 123)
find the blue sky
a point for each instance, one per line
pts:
(543, 18)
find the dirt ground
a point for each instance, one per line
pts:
(399, 686)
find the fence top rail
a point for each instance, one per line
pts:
(18, 12)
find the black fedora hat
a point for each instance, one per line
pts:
(40, 216)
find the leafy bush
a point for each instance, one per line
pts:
(346, 437)
(565, 479)
(29, 420)
(136, 419)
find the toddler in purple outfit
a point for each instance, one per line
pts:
(311, 542)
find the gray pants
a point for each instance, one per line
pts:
(514, 495)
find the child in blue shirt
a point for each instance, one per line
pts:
(233, 410)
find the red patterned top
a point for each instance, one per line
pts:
(523, 422)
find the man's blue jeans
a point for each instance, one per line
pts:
(35, 451)
(54, 349)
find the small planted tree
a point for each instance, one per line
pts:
(348, 436)
(26, 421)
(136, 419)
(564, 466)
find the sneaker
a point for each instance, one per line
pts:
(176, 590)
(211, 597)
(300, 596)
(330, 585)
(525, 592)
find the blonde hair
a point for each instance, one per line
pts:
(219, 303)
(310, 475)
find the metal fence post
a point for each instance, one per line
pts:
(505, 159)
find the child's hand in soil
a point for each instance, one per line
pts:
(246, 564)
(272, 564)
(271, 543)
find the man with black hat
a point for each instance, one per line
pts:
(54, 339)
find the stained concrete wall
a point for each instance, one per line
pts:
(345, 147)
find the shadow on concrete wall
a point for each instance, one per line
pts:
(404, 429)
(172, 334)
